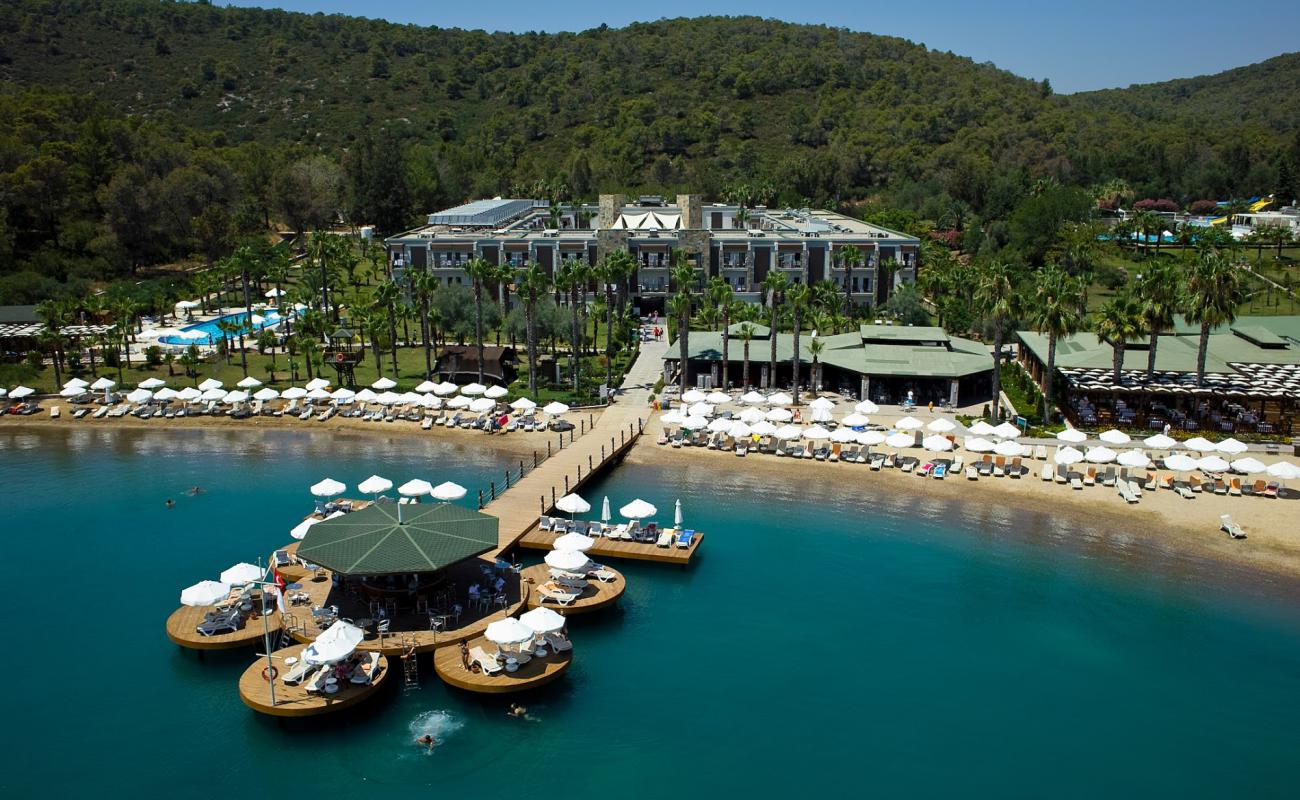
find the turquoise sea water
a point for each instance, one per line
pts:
(830, 637)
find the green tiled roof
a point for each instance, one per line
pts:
(1284, 326)
(372, 542)
(905, 333)
(1174, 352)
(759, 331)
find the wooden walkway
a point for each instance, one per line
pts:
(567, 471)
(537, 539)
(597, 595)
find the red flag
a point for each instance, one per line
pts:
(279, 581)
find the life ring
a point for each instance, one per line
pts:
(338, 358)
(269, 673)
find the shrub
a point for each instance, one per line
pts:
(1203, 207)
(1150, 204)
(153, 355)
(35, 358)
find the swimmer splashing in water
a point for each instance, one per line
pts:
(427, 741)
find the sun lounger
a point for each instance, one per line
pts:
(1184, 491)
(297, 673)
(685, 538)
(557, 593)
(908, 464)
(1234, 487)
(544, 523)
(999, 466)
(940, 470)
(281, 558)
(1075, 481)
(1220, 487)
(1016, 468)
(1047, 474)
(985, 466)
(558, 643)
(1231, 528)
(1126, 493)
(316, 683)
(877, 461)
(227, 622)
(366, 671)
(972, 474)
(925, 469)
(1108, 477)
(1063, 474)
(1271, 489)
(99, 413)
(1134, 486)
(1040, 452)
(665, 539)
(488, 663)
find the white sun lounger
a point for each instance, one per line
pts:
(1231, 528)
(558, 643)
(296, 673)
(487, 662)
(366, 671)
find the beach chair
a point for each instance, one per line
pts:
(1090, 477)
(1125, 493)
(939, 471)
(1108, 477)
(365, 672)
(908, 464)
(972, 474)
(227, 622)
(1046, 474)
(985, 466)
(316, 683)
(297, 673)
(1270, 489)
(999, 466)
(1076, 482)
(1220, 486)
(1184, 491)
(1135, 488)
(665, 538)
(685, 538)
(1166, 481)
(1040, 452)
(100, 412)
(559, 594)
(1194, 481)
(1231, 528)
(544, 523)
(1234, 487)
(1063, 474)
(1016, 468)
(877, 461)
(558, 643)
(925, 469)
(281, 558)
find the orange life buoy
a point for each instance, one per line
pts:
(269, 673)
(338, 357)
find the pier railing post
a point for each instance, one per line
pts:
(602, 453)
(480, 499)
(579, 473)
(552, 495)
(493, 486)
(548, 448)
(566, 484)
(507, 479)
(589, 463)
(542, 501)
(534, 459)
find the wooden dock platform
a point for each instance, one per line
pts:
(598, 594)
(537, 672)
(296, 701)
(609, 548)
(183, 623)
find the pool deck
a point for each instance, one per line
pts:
(296, 701)
(537, 672)
(537, 539)
(598, 594)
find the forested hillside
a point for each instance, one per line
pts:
(137, 131)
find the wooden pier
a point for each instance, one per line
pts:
(598, 594)
(296, 701)
(537, 539)
(182, 628)
(537, 672)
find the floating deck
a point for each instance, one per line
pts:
(537, 672)
(598, 594)
(183, 623)
(296, 701)
(537, 539)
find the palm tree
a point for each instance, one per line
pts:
(775, 282)
(571, 278)
(996, 297)
(310, 351)
(320, 248)
(387, 295)
(1057, 311)
(608, 273)
(503, 276)
(244, 260)
(479, 270)
(1118, 321)
(621, 267)
(423, 285)
(683, 275)
(54, 315)
(1215, 287)
(721, 299)
(1157, 292)
(741, 218)
(746, 333)
(533, 283)
(815, 349)
(796, 298)
(850, 257)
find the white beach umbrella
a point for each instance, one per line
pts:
(427, 386)
(318, 394)
(165, 393)
(981, 428)
(638, 509)
(1248, 465)
(187, 304)
(1114, 436)
(855, 420)
(700, 410)
(365, 395)
(604, 509)
(1134, 458)
(739, 429)
(1232, 447)
(204, 593)
(76, 383)
(445, 388)
(264, 394)
(1010, 448)
(374, 485)
(68, 391)
(1200, 444)
(209, 384)
(249, 383)
(242, 573)
(1160, 442)
(339, 641)
(822, 404)
(410, 398)
(494, 392)
(327, 488)
(523, 404)
(509, 631)
(189, 394)
(977, 444)
(693, 396)
(448, 492)
(103, 384)
(415, 487)
(936, 444)
(135, 396)
(1180, 462)
(870, 438)
(1006, 430)
(1284, 470)
(1072, 435)
(459, 401)
(236, 396)
(677, 513)
(909, 423)
(1212, 464)
(694, 423)
(317, 383)
(720, 424)
(555, 408)
(152, 383)
(762, 428)
(900, 439)
(1100, 455)
(752, 415)
(212, 395)
(816, 433)
(543, 620)
(867, 407)
(573, 504)
(780, 399)
(788, 432)
(844, 435)
(717, 398)
(273, 293)
(473, 389)
(574, 541)
(431, 401)
(1067, 456)
(753, 398)
(568, 560)
(256, 319)
(941, 425)
(383, 384)
(821, 415)
(300, 530)
(194, 334)
(480, 404)
(343, 395)
(673, 417)
(778, 415)
(294, 393)
(154, 333)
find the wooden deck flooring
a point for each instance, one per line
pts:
(296, 701)
(597, 596)
(609, 548)
(182, 625)
(537, 672)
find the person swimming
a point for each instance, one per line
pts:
(517, 710)
(428, 741)
(195, 490)
(170, 503)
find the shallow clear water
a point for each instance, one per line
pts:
(827, 638)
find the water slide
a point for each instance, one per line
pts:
(1255, 207)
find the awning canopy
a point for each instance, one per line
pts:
(372, 542)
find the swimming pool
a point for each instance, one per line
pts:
(212, 333)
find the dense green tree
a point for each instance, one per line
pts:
(1057, 311)
(1214, 288)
